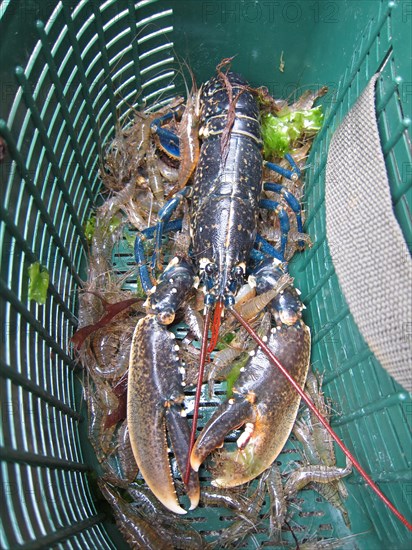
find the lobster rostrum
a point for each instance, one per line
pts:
(225, 200)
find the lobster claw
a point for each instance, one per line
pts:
(154, 407)
(263, 401)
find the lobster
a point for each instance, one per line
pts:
(224, 209)
(225, 199)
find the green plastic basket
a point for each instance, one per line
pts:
(69, 73)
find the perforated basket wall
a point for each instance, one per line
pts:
(69, 73)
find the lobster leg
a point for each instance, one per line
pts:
(266, 248)
(283, 219)
(291, 200)
(164, 216)
(167, 140)
(140, 255)
(293, 174)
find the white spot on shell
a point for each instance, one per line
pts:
(183, 413)
(172, 335)
(252, 353)
(264, 338)
(231, 401)
(183, 383)
(176, 348)
(242, 369)
(174, 291)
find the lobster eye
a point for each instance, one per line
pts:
(210, 268)
(237, 272)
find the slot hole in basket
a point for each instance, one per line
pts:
(312, 513)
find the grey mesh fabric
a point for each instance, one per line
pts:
(367, 246)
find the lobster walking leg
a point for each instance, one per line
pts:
(283, 220)
(293, 174)
(290, 199)
(140, 255)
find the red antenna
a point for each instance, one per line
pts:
(203, 354)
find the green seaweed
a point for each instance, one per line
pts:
(280, 132)
(235, 372)
(114, 223)
(89, 227)
(225, 341)
(38, 283)
(129, 238)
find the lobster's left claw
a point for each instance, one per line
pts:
(155, 402)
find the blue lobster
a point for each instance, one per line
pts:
(225, 199)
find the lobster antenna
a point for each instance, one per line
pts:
(203, 355)
(312, 407)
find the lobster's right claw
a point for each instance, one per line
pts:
(155, 401)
